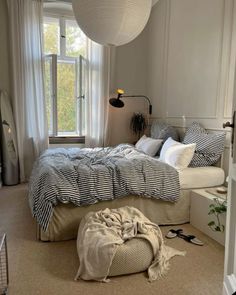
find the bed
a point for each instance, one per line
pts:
(54, 190)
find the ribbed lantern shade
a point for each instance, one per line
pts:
(112, 22)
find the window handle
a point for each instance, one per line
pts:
(81, 96)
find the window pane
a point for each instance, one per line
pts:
(51, 35)
(66, 101)
(48, 93)
(75, 40)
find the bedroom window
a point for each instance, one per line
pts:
(65, 66)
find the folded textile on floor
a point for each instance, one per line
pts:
(101, 233)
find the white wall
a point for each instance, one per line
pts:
(182, 61)
(190, 63)
(4, 49)
(131, 75)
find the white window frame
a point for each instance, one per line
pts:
(78, 67)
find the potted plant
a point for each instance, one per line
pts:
(138, 124)
(216, 209)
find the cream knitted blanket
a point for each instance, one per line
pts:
(100, 233)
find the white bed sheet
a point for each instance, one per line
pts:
(200, 177)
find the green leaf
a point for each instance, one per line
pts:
(223, 209)
(212, 211)
(218, 209)
(211, 223)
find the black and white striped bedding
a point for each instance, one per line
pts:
(86, 176)
(209, 147)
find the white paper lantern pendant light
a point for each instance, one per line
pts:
(112, 22)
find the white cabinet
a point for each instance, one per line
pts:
(199, 218)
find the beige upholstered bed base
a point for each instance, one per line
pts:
(66, 217)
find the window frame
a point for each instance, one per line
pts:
(55, 136)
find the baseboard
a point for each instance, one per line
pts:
(229, 286)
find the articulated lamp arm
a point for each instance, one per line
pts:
(118, 103)
(150, 106)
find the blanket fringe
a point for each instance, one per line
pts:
(161, 264)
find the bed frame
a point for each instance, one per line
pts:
(66, 218)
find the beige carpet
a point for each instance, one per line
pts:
(49, 268)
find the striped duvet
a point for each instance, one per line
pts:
(87, 176)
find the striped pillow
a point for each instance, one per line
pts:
(209, 147)
(163, 131)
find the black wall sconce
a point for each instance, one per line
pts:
(118, 103)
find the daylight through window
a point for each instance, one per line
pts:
(65, 65)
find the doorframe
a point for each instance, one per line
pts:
(229, 283)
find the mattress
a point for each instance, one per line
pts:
(200, 177)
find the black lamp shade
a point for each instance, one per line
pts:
(116, 102)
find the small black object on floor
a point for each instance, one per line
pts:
(179, 233)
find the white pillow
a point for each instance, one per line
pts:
(140, 141)
(148, 145)
(180, 155)
(168, 143)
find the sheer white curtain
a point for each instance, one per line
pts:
(97, 94)
(25, 19)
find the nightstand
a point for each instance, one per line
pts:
(199, 208)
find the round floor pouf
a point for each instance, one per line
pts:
(133, 256)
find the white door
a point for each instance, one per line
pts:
(230, 244)
(229, 286)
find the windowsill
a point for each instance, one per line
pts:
(66, 139)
